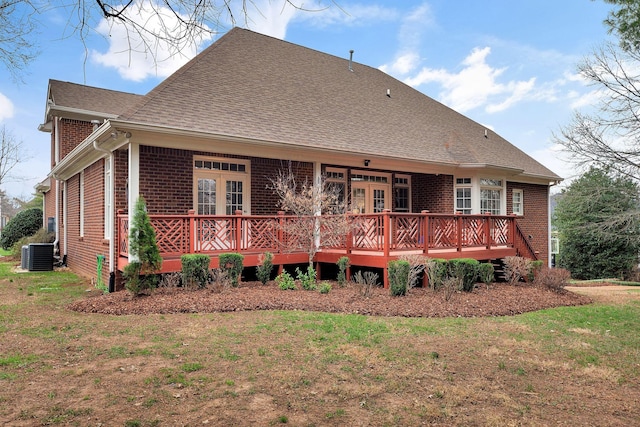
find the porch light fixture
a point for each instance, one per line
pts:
(366, 162)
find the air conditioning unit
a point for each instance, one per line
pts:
(40, 257)
(24, 257)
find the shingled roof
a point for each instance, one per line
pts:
(257, 87)
(89, 99)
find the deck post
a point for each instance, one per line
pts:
(487, 229)
(512, 230)
(386, 232)
(459, 230)
(280, 233)
(425, 231)
(192, 231)
(238, 225)
(349, 239)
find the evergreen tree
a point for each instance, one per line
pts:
(140, 274)
(597, 220)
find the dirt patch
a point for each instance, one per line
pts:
(498, 300)
(608, 292)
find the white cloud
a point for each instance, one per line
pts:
(6, 108)
(266, 17)
(476, 84)
(137, 56)
(409, 36)
(321, 16)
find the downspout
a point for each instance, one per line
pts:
(56, 143)
(111, 216)
(65, 216)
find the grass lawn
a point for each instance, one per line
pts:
(564, 366)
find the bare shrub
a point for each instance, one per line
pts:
(516, 269)
(219, 280)
(171, 280)
(450, 285)
(436, 270)
(554, 279)
(417, 266)
(365, 282)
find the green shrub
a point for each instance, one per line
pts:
(325, 287)
(398, 272)
(308, 279)
(264, 268)
(195, 269)
(486, 273)
(343, 263)
(232, 264)
(465, 269)
(135, 281)
(24, 224)
(285, 282)
(436, 270)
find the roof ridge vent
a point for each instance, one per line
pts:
(351, 60)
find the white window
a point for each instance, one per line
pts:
(491, 196)
(518, 202)
(463, 195)
(221, 186)
(337, 179)
(108, 226)
(402, 193)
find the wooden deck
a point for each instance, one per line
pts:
(373, 239)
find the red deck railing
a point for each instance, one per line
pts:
(385, 234)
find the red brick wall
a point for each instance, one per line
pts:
(432, 192)
(82, 251)
(536, 215)
(166, 180)
(72, 133)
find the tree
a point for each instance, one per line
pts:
(625, 22)
(12, 153)
(309, 230)
(140, 273)
(598, 224)
(608, 138)
(24, 224)
(150, 25)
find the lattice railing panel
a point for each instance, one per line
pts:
(368, 233)
(171, 235)
(214, 234)
(500, 231)
(123, 236)
(443, 232)
(260, 234)
(473, 231)
(406, 232)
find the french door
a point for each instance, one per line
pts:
(221, 195)
(369, 197)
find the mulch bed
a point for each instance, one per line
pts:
(499, 300)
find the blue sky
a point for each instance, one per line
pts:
(509, 65)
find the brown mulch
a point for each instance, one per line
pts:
(499, 300)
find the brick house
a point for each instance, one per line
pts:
(206, 141)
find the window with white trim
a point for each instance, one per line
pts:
(517, 199)
(490, 196)
(463, 195)
(402, 193)
(221, 186)
(337, 179)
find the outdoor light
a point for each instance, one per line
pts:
(366, 162)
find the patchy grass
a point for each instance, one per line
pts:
(567, 365)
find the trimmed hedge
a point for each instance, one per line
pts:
(195, 269)
(398, 277)
(232, 263)
(465, 269)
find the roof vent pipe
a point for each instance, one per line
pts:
(351, 60)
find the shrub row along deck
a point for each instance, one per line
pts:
(372, 240)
